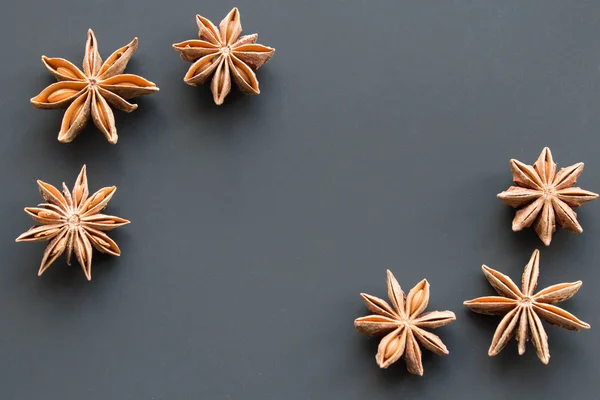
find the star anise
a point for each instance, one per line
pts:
(92, 91)
(545, 197)
(525, 310)
(73, 223)
(222, 54)
(403, 325)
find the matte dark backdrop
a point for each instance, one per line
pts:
(381, 137)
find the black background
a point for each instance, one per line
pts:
(380, 140)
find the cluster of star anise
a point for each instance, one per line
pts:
(544, 197)
(71, 221)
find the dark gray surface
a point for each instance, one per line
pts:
(381, 137)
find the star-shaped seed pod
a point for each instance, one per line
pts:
(545, 197)
(223, 54)
(524, 310)
(403, 325)
(72, 222)
(92, 91)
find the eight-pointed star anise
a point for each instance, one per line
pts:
(72, 222)
(222, 54)
(525, 310)
(545, 196)
(92, 91)
(403, 324)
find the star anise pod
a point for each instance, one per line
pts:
(525, 310)
(403, 325)
(93, 90)
(73, 223)
(545, 197)
(222, 54)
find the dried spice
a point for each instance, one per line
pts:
(545, 197)
(72, 222)
(403, 325)
(525, 310)
(93, 91)
(223, 54)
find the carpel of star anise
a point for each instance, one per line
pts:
(403, 325)
(545, 197)
(223, 54)
(72, 222)
(524, 310)
(92, 91)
